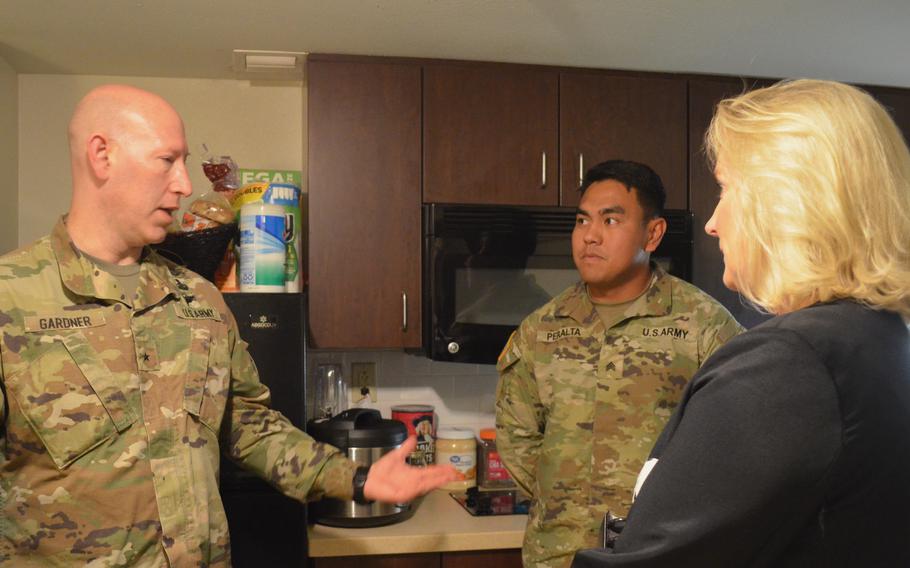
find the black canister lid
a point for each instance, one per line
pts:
(358, 428)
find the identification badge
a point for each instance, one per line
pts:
(57, 322)
(187, 312)
(670, 331)
(557, 334)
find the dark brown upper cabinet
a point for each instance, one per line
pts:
(385, 134)
(897, 101)
(490, 134)
(364, 204)
(628, 117)
(707, 260)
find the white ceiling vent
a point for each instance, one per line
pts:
(279, 64)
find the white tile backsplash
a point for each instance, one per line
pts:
(462, 394)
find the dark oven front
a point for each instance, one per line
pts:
(486, 267)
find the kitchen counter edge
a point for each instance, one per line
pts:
(439, 524)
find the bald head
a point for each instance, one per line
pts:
(128, 155)
(113, 111)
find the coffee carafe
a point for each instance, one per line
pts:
(331, 391)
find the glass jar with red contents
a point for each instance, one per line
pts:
(491, 473)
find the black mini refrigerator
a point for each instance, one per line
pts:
(267, 528)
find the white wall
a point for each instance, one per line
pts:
(260, 125)
(9, 166)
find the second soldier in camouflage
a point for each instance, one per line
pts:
(588, 381)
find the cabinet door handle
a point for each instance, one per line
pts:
(404, 311)
(543, 169)
(581, 169)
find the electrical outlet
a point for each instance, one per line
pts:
(363, 381)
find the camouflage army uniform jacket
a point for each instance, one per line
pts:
(579, 406)
(110, 414)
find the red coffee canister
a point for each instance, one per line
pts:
(420, 421)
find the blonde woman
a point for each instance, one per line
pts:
(791, 446)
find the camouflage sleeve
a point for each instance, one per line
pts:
(263, 441)
(519, 415)
(722, 329)
(335, 479)
(2, 401)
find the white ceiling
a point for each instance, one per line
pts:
(848, 40)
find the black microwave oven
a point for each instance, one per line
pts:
(487, 267)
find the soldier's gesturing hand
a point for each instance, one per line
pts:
(392, 480)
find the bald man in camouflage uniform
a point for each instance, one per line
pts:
(123, 375)
(588, 381)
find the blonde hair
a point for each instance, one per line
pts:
(821, 199)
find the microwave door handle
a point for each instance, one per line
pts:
(404, 311)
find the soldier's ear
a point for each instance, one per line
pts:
(98, 154)
(655, 233)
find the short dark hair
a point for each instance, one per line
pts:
(650, 190)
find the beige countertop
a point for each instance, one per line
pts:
(439, 524)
